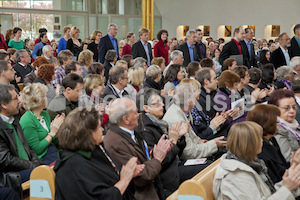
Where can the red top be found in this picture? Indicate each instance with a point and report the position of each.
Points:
(136, 88)
(238, 44)
(3, 44)
(126, 50)
(39, 40)
(161, 49)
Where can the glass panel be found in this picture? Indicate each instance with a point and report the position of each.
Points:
(92, 6)
(6, 21)
(78, 5)
(156, 11)
(122, 32)
(77, 21)
(24, 24)
(92, 24)
(42, 4)
(157, 25)
(42, 21)
(102, 25)
(134, 25)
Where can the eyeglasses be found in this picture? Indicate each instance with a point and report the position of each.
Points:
(157, 103)
(287, 108)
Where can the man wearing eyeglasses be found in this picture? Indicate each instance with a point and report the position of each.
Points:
(280, 56)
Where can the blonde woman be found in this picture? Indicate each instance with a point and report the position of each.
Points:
(85, 60)
(38, 129)
(135, 80)
(74, 44)
(94, 86)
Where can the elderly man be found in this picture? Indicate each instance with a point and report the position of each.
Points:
(179, 111)
(236, 48)
(48, 52)
(16, 157)
(280, 56)
(190, 52)
(123, 142)
(176, 58)
(108, 42)
(22, 67)
(295, 42)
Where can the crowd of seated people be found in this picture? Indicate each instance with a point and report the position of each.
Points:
(124, 120)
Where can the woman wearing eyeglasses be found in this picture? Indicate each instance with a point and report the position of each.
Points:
(288, 136)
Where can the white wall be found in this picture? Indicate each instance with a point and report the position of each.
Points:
(215, 13)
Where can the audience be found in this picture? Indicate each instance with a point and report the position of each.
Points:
(128, 46)
(7, 72)
(129, 59)
(16, 42)
(161, 49)
(62, 43)
(74, 44)
(110, 60)
(296, 89)
(284, 75)
(64, 57)
(94, 45)
(85, 60)
(96, 68)
(136, 77)
(173, 76)
(192, 69)
(29, 78)
(73, 67)
(229, 64)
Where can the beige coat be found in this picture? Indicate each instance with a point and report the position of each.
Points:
(236, 180)
(193, 149)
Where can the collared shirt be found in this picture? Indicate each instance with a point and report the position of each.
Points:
(286, 55)
(145, 45)
(238, 44)
(191, 51)
(22, 65)
(131, 132)
(118, 91)
(6, 119)
(249, 47)
(112, 65)
(298, 40)
(114, 43)
(59, 75)
(297, 100)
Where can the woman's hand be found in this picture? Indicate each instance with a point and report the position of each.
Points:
(56, 123)
(100, 108)
(128, 170)
(295, 157)
(291, 177)
(217, 120)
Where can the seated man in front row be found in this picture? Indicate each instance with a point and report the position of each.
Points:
(17, 159)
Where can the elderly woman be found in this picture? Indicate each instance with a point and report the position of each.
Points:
(240, 175)
(161, 48)
(85, 60)
(45, 76)
(84, 169)
(284, 76)
(153, 77)
(266, 117)
(74, 44)
(228, 93)
(179, 111)
(295, 64)
(288, 136)
(173, 76)
(94, 45)
(29, 78)
(135, 81)
(38, 129)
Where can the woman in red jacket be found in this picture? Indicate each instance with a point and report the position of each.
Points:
(161, 48)
(130, 42)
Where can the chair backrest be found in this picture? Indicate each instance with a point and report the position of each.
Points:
(42, 183)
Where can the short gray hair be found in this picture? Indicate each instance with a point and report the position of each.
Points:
(115, 73)
(295, 61)
(283, 72)
(175, 54)
(111, 25)
(153, 71)
(19, 54)
(46, 48)
(118, 109)
(139, 62)
(183, 93)
(281, 35)
(110, 55)
(189, 33)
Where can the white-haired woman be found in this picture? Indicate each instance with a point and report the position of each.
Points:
(36, 123)
(284, 76)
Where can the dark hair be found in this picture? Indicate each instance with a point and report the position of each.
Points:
(202, 75)
(40, 60)
(129, 35)
(227, 63)
(266, 117)
(255, 75)
(3, 65)
(296, 83)
(110, 55)
(5, 96)
(236, 30)
(240, 70)
(43, 30)
(262, 57)
(222, 39)
(192, 68)
(297, 26)
(214, 52)
(277, 95)
(247, 29)
(46, 72)
(143, 97)
(160, 33)
(16, 29)
(127, 58)
(71, 80)
(95, 68)
(116, 73)
(76, 133)
(71, 66)
(198, 29)
(172, 72)
(267, 73)
(228, 78)
(3, 54)
(42, 35)
(207, 62)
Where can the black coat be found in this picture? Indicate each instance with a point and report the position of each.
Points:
(107, 66)
(230, 49)
(273, 159)
(150, 83)
(169, 173)
(294, 49)
(105, 45)
(298, 113)
(84, 176)
(139, 51)
(210, 111)
(186, 54)
(110, 93)
(22, 71)
(252, 61)
(277, 58)
(95, 49)
(11, 164)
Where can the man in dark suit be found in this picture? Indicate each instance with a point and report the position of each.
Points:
(294, 50)
(235, 47)
(189, 49)
(280, 56)
(110, 61)
(108, 42)
(201, 48)
(22, 66)
(249, 47)
(142, 48)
